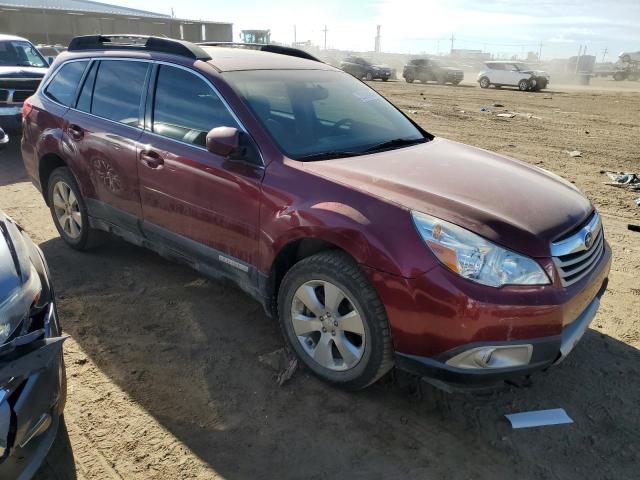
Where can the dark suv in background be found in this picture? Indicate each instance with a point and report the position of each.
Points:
(22, 67)
(427, 70)
(361, 68)
(340, 215)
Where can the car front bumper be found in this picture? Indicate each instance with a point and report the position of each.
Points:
(439, 315)
(32, 392)
(11, 117)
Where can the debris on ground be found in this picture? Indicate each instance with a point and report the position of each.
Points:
(539, 418)
(637, 201)
(506, 115)
(623, 180)
(497, 105)
(485, 109)
(633, 228)
(283, 362)
(574, 153)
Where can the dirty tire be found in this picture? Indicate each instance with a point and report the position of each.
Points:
(385, 79)
(368, 76)
(626, 58)
(342, 271)
(484, 82)
(88, 237)
(409, 78)
(523, 85)
(619, 76)
(455, 83)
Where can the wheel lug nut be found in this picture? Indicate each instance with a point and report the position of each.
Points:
(324, 329)
(335, 323)
(333, 332)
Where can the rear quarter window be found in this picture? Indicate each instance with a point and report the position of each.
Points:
(63, 86)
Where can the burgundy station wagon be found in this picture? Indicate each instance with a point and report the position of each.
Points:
(373, 242)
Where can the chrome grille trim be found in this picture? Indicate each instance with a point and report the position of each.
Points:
(572, 258)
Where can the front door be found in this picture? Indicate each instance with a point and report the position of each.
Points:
(104, 128)
(200, 203)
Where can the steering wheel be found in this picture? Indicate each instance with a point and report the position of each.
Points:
(343, 122)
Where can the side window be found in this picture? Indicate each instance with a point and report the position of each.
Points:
(62, 88)
(84, 100)
(118, 90)
(186, 108)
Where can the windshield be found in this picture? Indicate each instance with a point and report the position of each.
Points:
(20, 54)
(319, 114)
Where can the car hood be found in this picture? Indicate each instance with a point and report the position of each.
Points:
(19, 281)
(22, 72)
(508, 201)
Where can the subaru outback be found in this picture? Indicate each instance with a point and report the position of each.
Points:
(345, 219)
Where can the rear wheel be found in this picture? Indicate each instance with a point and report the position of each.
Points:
(523, 85)
(484, 82)
(69, 211)
(333, 319)
(409, 78)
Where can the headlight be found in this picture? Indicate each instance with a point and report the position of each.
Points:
(475, 257)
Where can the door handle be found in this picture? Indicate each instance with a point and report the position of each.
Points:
(151, 159)
(75, 132)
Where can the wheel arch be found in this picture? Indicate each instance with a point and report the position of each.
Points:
(47, 164)
(291, 253)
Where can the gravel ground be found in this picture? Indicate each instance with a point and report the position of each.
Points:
(165, 380)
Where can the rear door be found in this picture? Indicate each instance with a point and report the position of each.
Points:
(103, 129)
(197, 202)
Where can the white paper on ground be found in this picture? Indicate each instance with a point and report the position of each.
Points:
(539, 418)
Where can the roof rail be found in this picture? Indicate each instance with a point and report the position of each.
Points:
(138, 42)
(265, 47)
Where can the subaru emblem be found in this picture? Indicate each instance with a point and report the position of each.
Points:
(588, 240)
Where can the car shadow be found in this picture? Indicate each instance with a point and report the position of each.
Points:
(187, 350)
(59, 463)
(11, 163)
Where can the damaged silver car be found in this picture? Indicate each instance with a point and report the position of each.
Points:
(32, 374)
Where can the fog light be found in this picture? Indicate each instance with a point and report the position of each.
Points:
(499, 356)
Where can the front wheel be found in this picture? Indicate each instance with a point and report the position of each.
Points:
(69, 211)
(409, 78)
(334, 320)
(484, 82)
(523, 85)
(369, 76)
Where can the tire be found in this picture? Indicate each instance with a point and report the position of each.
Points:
(368, 77)
(626, 58)
(369, 352)
(385, 79)
(76, 231)
(409, 78)
(455, 83)
(619, 76)
(541, 84)
(524, 85)
(484, 82)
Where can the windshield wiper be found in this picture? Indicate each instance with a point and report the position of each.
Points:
(395, 143)
(327, 155)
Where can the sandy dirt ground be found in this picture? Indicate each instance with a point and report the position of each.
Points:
(165, 380)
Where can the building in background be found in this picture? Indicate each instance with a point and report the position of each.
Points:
(58, 21)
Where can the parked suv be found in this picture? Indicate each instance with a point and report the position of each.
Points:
(427, 70)
(361, 68)
(340, 215)
(21, 70)
(512, 74)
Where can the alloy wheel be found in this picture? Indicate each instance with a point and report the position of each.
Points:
(67, 209)
(328, 325)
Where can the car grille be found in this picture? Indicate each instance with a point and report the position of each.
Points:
(15, 96)
(4, 95)
(576, 255)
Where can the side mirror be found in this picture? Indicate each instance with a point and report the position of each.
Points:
(4, 139)
(223, 141)
(50, 60)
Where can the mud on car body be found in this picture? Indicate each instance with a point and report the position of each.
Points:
(344, 218)
(32, 375)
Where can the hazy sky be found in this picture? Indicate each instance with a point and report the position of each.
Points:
(500, 26)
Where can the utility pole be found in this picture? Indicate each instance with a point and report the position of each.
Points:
(438, 48)
(540, 53)
(295, 39)
(377, 47)
(452, 39)
(604, 54)
(325, 36)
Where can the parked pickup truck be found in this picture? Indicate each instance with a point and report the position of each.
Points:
(21, 70)
(426, 70)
